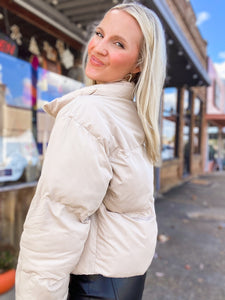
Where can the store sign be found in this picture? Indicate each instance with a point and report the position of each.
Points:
(7, 45)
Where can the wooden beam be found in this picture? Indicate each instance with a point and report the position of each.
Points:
(97, 8)
(40, 23)
(73, 4)
(86, 17)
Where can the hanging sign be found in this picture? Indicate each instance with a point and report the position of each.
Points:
(7, 45)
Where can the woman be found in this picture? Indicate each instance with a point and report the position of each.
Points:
(93, 215)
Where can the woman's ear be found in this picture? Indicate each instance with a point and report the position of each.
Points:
(136, 70)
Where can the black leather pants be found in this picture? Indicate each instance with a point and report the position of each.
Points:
(98, 287)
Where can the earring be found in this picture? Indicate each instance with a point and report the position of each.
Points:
(129, 77)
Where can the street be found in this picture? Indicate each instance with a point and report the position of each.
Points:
(190, 257)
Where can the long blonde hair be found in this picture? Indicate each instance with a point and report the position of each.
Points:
(149, 84)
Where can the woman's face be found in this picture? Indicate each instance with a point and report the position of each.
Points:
(114, 49)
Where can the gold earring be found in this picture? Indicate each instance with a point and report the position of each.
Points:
(130, 75)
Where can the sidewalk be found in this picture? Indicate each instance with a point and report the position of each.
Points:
(10, 295)
(190, 257)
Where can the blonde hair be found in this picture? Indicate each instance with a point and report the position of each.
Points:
(150, 80)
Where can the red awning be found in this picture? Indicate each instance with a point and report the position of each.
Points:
(216, 119)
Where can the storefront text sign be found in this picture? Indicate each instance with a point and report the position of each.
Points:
(7, 45)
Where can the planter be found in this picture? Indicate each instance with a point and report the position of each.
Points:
(7, 281)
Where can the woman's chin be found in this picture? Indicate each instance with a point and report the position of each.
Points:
(94, 79)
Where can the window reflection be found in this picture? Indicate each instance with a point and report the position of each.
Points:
(51, 85)
(16, 75)
(20, 152)
(169, 123)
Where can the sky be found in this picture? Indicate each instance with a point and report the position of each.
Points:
(210, 16)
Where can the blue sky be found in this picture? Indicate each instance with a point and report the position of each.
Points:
(211, 23)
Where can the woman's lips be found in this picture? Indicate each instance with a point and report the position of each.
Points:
(95, 61)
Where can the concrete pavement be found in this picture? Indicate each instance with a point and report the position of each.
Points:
(10, 295)
(190, 257)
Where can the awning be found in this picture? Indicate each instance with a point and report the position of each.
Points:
(184, 65)
(216, 119)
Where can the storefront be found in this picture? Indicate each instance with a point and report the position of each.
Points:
(38, 63)
(36, 66)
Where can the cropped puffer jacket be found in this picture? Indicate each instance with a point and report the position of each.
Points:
(93, 210)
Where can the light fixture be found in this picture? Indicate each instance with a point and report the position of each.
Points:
(180, 52)
(170, 42)
(195, 76)
(54, 2)
(188, 67)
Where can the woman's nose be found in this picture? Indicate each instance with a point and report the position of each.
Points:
(101, 48)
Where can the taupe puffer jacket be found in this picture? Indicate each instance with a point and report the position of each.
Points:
(93, 210)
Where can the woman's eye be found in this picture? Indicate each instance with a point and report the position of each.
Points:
(120, 45)
(99, 34)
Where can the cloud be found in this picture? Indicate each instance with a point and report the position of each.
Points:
(222, 55)
(202, 17)
(220, 68)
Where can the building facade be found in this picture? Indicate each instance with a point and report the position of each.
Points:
(184, 99)
(215, 122)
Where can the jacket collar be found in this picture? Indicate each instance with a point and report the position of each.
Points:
(122, 89)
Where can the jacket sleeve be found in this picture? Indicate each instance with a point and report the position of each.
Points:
(73, 183)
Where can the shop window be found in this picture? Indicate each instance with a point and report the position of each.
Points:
(51, 85)
(20, 149)
(169, 123)
(197, 125)
(19, 158)
(15, 74)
